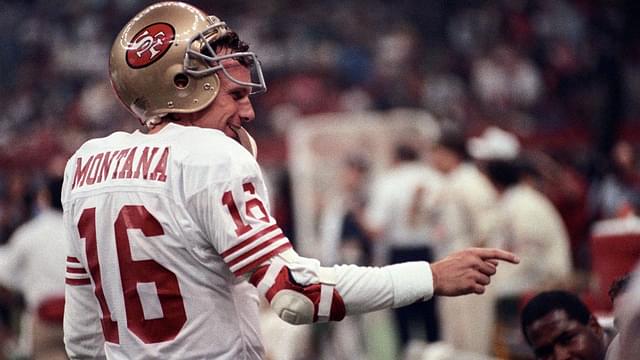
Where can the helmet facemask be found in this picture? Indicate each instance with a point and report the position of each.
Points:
(205, 60)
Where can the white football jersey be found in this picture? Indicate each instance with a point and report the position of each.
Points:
(161, 229)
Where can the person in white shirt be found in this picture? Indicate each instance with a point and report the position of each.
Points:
(616, 293)
(32, 263)
(169, 231)
(471, 200)
(526, 221)
(403, 217)
(627, 313)
(528, 224)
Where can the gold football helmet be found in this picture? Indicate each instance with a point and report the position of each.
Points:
(163, 62)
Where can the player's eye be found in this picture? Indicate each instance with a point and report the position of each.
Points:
(238, 94)
(566, 338)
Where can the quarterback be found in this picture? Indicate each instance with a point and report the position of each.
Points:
(169, 233)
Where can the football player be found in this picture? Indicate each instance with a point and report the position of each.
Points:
(169, 230)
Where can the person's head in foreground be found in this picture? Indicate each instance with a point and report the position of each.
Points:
(194, 71)
(558, 325)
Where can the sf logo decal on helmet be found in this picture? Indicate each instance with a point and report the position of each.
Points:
(149, 45)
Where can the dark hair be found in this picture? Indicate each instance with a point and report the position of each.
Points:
(548, 301)
(503, 173)
(230, 40)
(618, 286)
(455, 141)
(404, 152)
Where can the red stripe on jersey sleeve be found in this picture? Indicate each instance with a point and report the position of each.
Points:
(249, 240)
(76, 270)
(76, 282)
(72, 259)
(259, 247)
(254, 264)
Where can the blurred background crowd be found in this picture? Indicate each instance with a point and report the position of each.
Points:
(557, 83)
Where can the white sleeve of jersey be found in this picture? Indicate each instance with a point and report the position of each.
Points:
(83, 336)
(234, 213)
(366, 289)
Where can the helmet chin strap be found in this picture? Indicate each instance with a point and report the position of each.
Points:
(152, 122)
(247, 140)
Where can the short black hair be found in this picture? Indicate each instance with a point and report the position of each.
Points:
(548, 301)
(503, 173)
(455, 141)
(230, 40)
(618, 286)
(406, 152)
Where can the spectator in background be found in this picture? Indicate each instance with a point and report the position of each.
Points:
(32, 263)
(470, 199)
(527, 223)
(397, 80)
(401, 215)
(558, 325)
(567, 189)
(343, 231)
(506, 80)
(616, 291)
(345, 239)
(467, 187)
(618, 191)
(627, 310)
(15, 204)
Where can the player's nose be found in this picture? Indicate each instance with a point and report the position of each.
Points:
(245, 110)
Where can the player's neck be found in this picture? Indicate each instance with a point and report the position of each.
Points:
(157, 128)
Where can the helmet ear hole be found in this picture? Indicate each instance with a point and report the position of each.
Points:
(181, 81)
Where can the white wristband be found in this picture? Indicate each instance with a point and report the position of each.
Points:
(412, 281)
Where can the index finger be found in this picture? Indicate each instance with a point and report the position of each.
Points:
(497, 254)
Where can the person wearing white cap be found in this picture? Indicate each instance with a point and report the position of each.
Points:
(528, 223)
(494, 144)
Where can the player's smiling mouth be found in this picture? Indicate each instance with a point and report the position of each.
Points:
(243, 137)
(235, 130)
